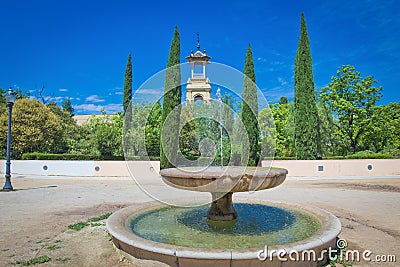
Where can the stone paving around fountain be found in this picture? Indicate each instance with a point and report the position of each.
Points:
(34, 218)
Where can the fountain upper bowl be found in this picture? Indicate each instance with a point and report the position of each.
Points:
(223, 179)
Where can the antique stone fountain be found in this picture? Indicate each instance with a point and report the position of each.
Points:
(219, 235)
(222, 182)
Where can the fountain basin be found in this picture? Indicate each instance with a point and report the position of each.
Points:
(119, 225)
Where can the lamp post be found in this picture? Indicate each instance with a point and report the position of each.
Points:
(10, 98)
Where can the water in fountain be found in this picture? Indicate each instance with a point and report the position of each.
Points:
(258, 225)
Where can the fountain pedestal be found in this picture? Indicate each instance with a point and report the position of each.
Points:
(222, 208)
(222, 182)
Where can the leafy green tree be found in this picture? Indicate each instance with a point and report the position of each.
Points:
(171, 106)
(142, 132)
(34, 128)
(228, 112)
(250, 111)
(305, 107)
(382, 135)
(352, 100)
(83, 141)
(128, 83)
(67, 106)
(107, 131)
(66, 124)
(282, 114)
(19, 95)
(188, 143)
(135, 130)
(153, 130)
(327, 129)
(268, 133)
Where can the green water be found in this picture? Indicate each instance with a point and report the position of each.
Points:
(257, 226)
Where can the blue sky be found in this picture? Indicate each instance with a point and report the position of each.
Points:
(78, 49)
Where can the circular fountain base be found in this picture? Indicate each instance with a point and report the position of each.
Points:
(119, 226)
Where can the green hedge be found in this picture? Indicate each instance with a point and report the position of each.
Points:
(352, 156)
(152, 158)
(369, 156)
(47, 156)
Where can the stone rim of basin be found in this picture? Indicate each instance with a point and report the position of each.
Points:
(223, 179)
(124, 239)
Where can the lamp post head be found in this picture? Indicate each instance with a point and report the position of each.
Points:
(10, 96)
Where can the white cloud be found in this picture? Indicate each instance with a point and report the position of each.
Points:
(261, 59)
(94, 98)
(119, 93)
(112, 108)
(63, 90)
(274, 94)
(92, 108)
(282, 81)
(87, 107)
(54, 98)
(57, 99)
(149, 91)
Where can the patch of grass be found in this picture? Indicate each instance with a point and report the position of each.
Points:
(93, 222)
(35, 249)
(78, 226)
(340, 260)
(63, 259)
(58, 241)
(100, 218)
(349, 227)
(53, 247)
(37, 260)
(39, 242)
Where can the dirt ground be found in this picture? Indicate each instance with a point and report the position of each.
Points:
(34, 219)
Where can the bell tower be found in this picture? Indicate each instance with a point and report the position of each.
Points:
(198, 85)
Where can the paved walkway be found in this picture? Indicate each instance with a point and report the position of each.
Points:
(368, 207)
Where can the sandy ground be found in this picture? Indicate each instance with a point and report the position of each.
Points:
(34, 219)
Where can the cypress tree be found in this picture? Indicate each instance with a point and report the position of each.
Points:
(283, 100)
(250, 111)
(171, 106)
(305, 107)
(67, 106)
(127, 84)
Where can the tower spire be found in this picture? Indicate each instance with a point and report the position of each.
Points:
(198, 41)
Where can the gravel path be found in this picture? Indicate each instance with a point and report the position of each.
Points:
(34, 219)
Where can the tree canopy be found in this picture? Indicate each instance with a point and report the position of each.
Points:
(352, 100)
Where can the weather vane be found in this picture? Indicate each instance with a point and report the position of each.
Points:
(198, 41)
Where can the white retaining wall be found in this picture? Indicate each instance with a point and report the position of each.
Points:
(150, 169)
(332, 168)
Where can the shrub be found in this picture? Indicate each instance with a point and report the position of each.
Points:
(334, 157)
(47, 156)
(369, 156)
